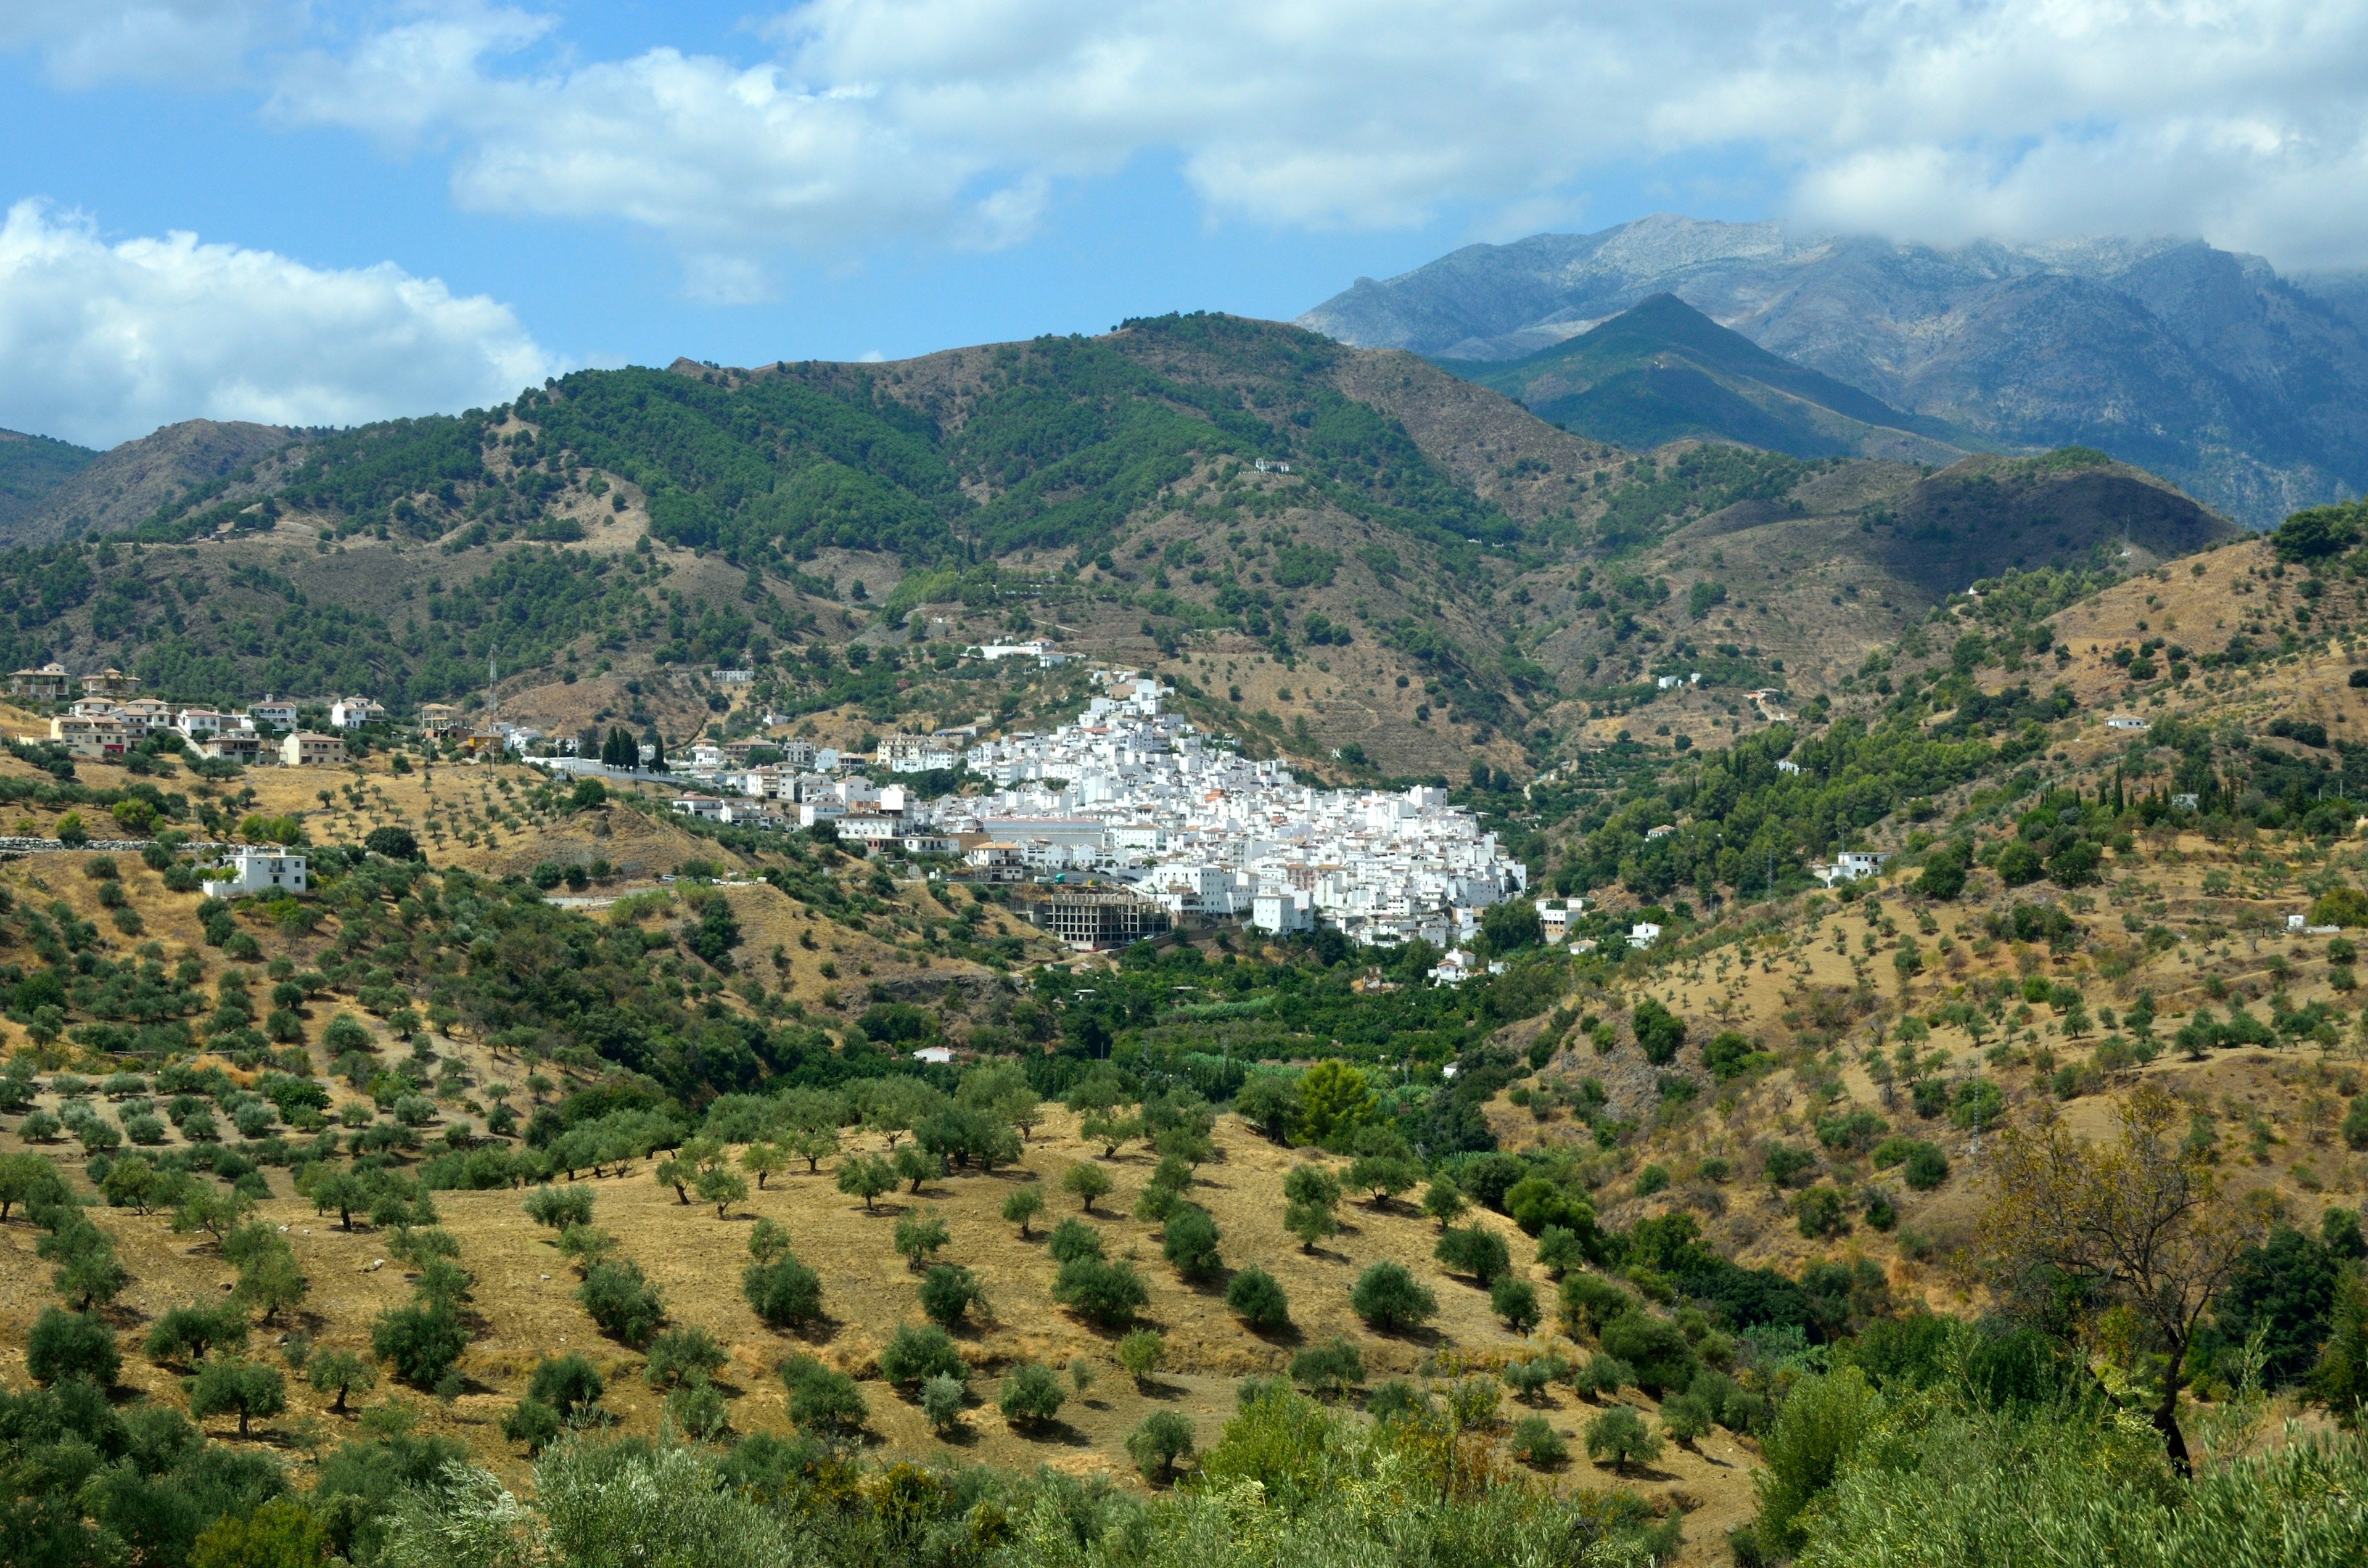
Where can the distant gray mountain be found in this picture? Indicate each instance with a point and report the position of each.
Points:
(2247, 388)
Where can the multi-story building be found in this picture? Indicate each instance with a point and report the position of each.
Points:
(303, 749)
(249, 870)
(50, 683)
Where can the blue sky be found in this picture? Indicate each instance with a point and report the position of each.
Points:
(399, 207)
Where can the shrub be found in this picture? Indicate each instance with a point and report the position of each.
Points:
(1536, 1443)
(1140, 1353)
(1620, 1435)
(1659, 1350)
(920, 1236)
(1100, 1292)
(1443, 1200)
(1659, 1032)
(1528, 1379)
(949, 1293)
(1397, 1400)
(1814, 1434)
(246, 1389)
(1820, 1213)
(942, 1399)
(1535, 1202)
(1190, 1243)
(1788, 1166)
(1021, 1207)
(620, 1298)
(1475, 1250)
(1256, 1298)
(698, 1411)
(1515, 1300)
(1926, 1168)
(1162, 1438)
(1072, 1239)
(340, 1372)
(784, 1292)
(1387, 1297)
(419, 1342)
(1685, 1419)
(1085, 1182)
(560, 1207)
(682, 1356)
(282, 1533)
(569, 1384)
(1602, 1376)
(1560, 1251)
(865, 1177)
(189, 1334)
(66, 1345)
(1589, 1301)
(824, 1402)
(1333, 1368)
(1031, 1397)
(916, 1353)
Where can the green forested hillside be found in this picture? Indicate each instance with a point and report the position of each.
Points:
(31, 467)
(1663, 371)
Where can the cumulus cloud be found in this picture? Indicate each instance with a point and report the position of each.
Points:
(101, 342)
(861, 121)
(84, 42)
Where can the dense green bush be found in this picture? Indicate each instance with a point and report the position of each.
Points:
(1100, 1292)
(1256, 1298)
(1162, 1439)
(916, 1354)
(66, 1345)
(1031, 1396)
(620, 1298)
(1389, 1298)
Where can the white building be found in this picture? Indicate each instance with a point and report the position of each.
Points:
(1282, 909)
(197, 723)
(1643, 934)
(2125, 722)
(918, 753)
(258, 871)
(276, 713)
(353, 712)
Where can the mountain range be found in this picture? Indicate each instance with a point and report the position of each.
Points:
(2247, 388)
(1662, 372)
(1326, 550)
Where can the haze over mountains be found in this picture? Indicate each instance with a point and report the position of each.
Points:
(2247, 387)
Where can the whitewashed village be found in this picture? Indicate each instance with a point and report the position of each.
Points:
(1124, 824)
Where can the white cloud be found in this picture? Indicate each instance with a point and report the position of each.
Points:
(953, 121)
(100, 342)
(84, 42)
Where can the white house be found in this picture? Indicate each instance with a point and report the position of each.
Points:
(258, 871)
(918, 753)
(1786, 764)
(2125, 722)
(820, 809)
(353, 712)
(706, 808)
(197, 723)
(1554, 916)
(1643, 934)
(144, 715)
(1282, 909)
(276, 712)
